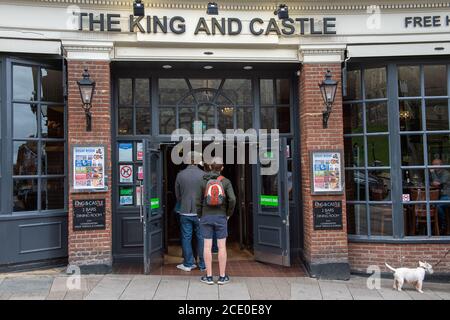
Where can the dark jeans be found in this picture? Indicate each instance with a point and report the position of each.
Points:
(190, 226)
(441, 212)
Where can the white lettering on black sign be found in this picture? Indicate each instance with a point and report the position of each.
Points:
(88, 214)
(327, 215)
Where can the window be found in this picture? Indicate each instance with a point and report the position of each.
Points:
(397, 149)
(368, 167)
(38, 132)
(275, 104)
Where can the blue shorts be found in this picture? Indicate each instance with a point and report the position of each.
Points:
(214, 223)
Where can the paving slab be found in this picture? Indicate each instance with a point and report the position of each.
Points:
(255, 288)
(445, 295)
(109, 288)
(21, 296)
(201, 291)
(57, 295)
(360, 292)
(334, 290)
(270, 288)
(141, 288)
(391, 294)
(236, 289)
(305, 290)
(426, 295)
(172, 289)
(26, 285)
(75, 295)
(284, 287)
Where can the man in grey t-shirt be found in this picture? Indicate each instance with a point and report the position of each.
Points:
(440, 178)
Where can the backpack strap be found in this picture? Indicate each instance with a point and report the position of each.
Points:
(220, 178)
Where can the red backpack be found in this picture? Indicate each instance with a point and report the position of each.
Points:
(214, 192)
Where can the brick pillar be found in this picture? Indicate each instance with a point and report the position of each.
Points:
(92, 249)
(325, 251)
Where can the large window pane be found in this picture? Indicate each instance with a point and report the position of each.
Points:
(354, 151)
(51, 85)
(186, 117)
(284, 119)
(379, 185)
(375, 83)
(437, 114)
(435, 80)
(52, 121)
(378, 151)
(439, 148)
(267, 118)
(355, 182)
(353, 118)
(125, 121)
(409, 81)
(377, 117)
(244, 118)
(357, 219)
(353, 85)
(172, 90)
(412, 150)
(52, 157)
(225, 120)
(25, 158)
(206, 114)
(283, 91)
(25, 82)
(381, 220)
(52, 194)
(239, 91)
(205, 83)
(266, 89)
(410, 115)
(25, 120)
(125, 92)
(142, 92)
(25, 193)
(167, 121)
(143, 121)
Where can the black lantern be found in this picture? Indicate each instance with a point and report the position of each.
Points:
(212, 9)
(282, 12)
(87, 86)
(328, 88)
(138, 8)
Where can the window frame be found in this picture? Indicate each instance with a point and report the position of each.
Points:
(394, 134)
(8, 140)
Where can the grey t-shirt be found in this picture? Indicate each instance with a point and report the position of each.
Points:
(443, 177)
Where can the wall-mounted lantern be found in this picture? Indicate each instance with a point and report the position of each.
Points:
(328, 88)
(212, 8)
(138, 8)
(87, 86)
(282, 12)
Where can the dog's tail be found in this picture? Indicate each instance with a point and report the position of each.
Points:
(389, 267)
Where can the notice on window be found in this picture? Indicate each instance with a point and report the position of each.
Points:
(126, 196)
(88, 168)
(126, 151)
(139, 195)
(139, 151)
(126, 173)
(327, 172)
(141, 173)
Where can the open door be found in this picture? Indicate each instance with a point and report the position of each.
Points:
(151, 208)
(271, 208)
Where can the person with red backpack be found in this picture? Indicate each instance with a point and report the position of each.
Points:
(215, 205)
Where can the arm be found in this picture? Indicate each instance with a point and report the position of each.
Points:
(231, 199)
(177, 189)
(199, 200)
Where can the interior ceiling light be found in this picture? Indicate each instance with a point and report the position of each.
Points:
(207, 67)
(248, 68)
(167, 66)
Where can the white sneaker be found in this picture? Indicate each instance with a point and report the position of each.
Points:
(184, 268)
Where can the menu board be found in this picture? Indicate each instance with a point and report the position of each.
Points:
(89, 214)
(89, 168)
(327, 172)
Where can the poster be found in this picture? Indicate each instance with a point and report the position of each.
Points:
(126, 196)
(140, 173)
(139, 151)
(126, 173)
(88, 168)
(126, 151)
(139, 190)
(327, 172)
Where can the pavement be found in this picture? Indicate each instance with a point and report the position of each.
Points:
(56, 285)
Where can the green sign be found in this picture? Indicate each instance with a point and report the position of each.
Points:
(268, 155)
(268, 201)
(127, 191)
(154, 203)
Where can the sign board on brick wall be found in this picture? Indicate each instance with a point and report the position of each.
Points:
(327, 172)
(89, 214)
(88, 168)
(327, 215)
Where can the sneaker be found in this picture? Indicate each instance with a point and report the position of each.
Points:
(184, 268)
(223, 280)
(207, 280)
(193, 266)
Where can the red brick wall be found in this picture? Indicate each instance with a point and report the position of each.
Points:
(361, 255)
(320, 246)
(90, 247)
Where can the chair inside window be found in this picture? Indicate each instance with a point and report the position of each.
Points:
(420, 211)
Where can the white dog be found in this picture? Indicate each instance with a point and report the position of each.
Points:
(412, 276)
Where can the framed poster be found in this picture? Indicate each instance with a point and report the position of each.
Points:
(327, 172)
(88, 170)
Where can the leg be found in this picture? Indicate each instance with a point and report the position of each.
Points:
(199, 237)
(222, 256)
(215, 248)
(419, 286)
(207, 255)
(399, 284)
(186, 241)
